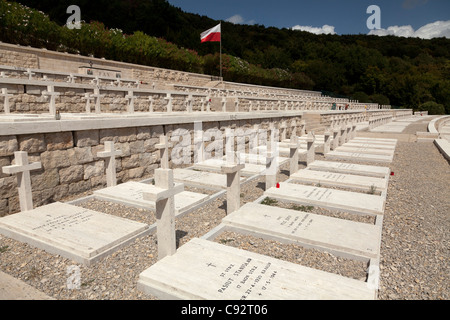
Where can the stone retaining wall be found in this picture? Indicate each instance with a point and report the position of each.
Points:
(70, 165)
(28, 57)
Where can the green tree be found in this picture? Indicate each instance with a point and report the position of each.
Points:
(432, 107)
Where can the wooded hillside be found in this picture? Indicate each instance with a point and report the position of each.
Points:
(403, 72)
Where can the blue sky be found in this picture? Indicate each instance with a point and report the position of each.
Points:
(398, 17)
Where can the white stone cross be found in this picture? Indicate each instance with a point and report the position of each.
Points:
(163, 194)
(22, 168)
(151, 100)
(283, 129)
(327, 141)
(169, 102)
(293, 154)
(29, 73)
(130, 104)
(229, 146)
(3, 75)
(303, 128)
(95, 81)
(353, 133)
(236, 105)
(208, 104)
(163, 147)
(336, 138)
(88, 98)
(202, 104)
(6, 97)
(293, 127)
(71, 78)
(189, 100)
(50, 92)
(224, 104)
(233, 172)
(97, 97)
(199, 142)
(343, 135)
(271, 170)
(311, 148)
(110, 158)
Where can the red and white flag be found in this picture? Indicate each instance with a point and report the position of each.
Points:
(212, 34)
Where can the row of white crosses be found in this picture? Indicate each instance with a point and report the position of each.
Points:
(165, 189)
(22, 169)
(261, 104)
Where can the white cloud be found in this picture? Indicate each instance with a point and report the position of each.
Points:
(432, 30)
(238, 19)
(325, 29)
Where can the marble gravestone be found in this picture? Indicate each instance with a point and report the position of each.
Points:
(365, 150)
(82, 235)
(347, 238)
(201, 179)
(353, 202)
(203, 269)
(350, 168)
(334, 179)
(216, 164)
(355, 156)
(131, 193)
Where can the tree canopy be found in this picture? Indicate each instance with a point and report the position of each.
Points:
(403, 72)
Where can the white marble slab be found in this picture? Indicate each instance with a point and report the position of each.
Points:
(327, 233)
(72, 232)
(131, 193)
(215, 165)
(255, 158)
(282, 151)
(350, 168)
(334, 179)
(201, 178)
(329, 198)
(367, 150)
(354, 144)
(376, 140)
(356, 156)
(202, 269)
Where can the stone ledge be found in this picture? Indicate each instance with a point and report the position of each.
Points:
(444, 147)
(125, 121)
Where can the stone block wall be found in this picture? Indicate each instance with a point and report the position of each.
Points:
(70, 166)
(18, 59)
(28, 99)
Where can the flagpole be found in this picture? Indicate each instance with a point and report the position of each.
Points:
(221, 51)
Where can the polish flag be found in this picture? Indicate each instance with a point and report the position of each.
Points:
(212, 34)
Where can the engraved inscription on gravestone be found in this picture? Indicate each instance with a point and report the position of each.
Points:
(248, 277)
(62, 222)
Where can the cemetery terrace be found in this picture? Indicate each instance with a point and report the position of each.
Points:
(174, 173)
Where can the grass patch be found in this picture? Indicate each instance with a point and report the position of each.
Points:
(302, 208)
(269, 201)
(225, 241)
(372, 189)
(4, 249)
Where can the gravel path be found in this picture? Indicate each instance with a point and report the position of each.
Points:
(414, 249)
